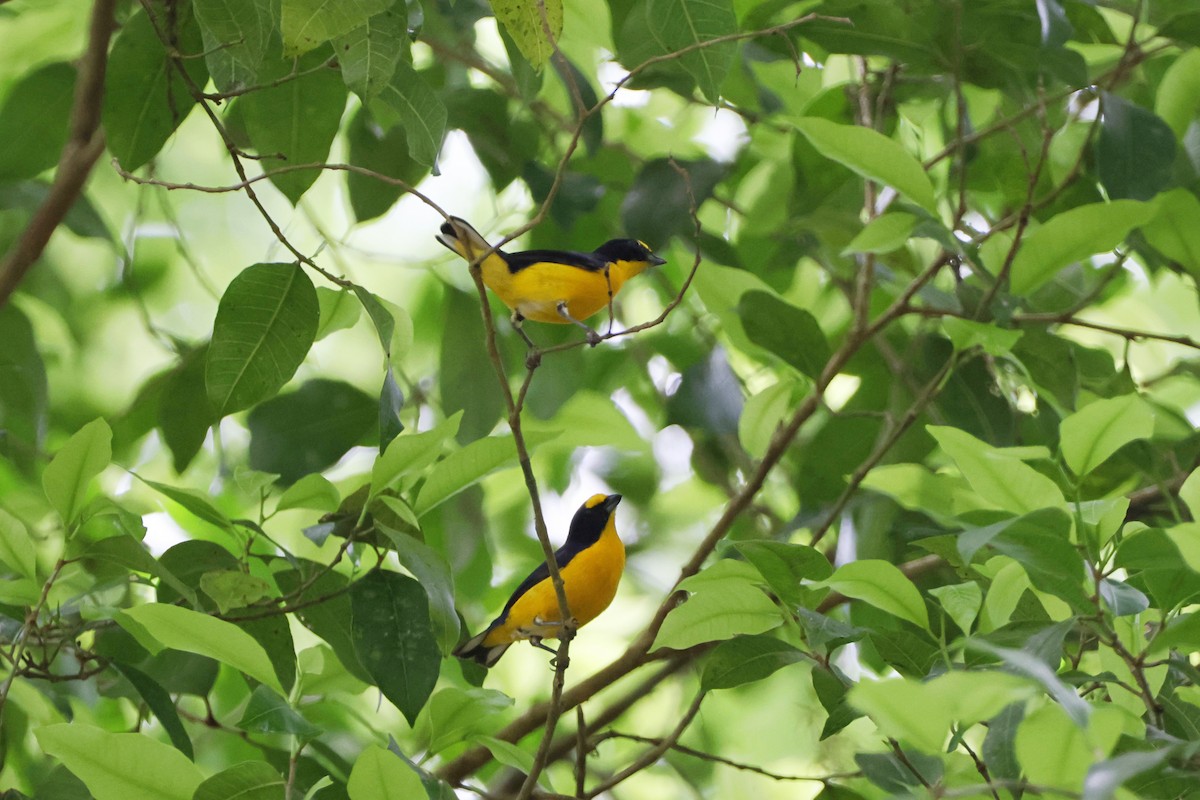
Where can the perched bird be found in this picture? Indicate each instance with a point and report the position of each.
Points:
(590, 563)
(551, 285)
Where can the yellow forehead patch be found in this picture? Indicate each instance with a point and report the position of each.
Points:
(595, 500)
(643, 244)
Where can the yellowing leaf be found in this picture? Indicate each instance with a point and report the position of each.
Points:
(525, 23)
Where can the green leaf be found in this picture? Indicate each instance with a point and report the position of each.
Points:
(745, 659)
(1172, 230)
(381, 317)
(369, 53)
(16, 547)
(329, 619)
(1183, 634)
(185, 413)
(1096, 431)
(1074, 708)
(193, 632)
(249, 780)
(267, 712)
(312, 491)
(525, 23)
(303, 432)
(993, 340)
(145, 99)
(34, 121)
(1178, 98)
(468, 466)
(507, 753)
(383, 151)
(233, 588)
(394, 640)
(305, 24)
(69, 474)
(339, 311)
(431, 570)
(265, 325)
(121, 766)
(236, 34)
(784, 565)
(198, 504)
(999, 478)
(1052, 750)
(295, 122)
(1072, 236)
(915, 487)
(1104, 778)
(454, 715)
(380, 775)
(786, 331)
(410, 453)
(23, 392)
(410, 102)
(679, 24)
(883, 234)
(1135, 150)
(871, 155)
(1189, 493)
(160, 702)
(658, 205)
(882, 585)
(718, 610)
(762, 415)
(961, 601)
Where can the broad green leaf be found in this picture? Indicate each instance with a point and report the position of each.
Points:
(1103, 779)
(23, 390)
(1052, 750)
(274, 633)
(882, 585)
(1183, 634)
(193, 632)
(785, 330)
(658, 204)
(233, 588)
(16, 547)
(762, 415)
(265, 324)
(718, 610)
(380, 316)
(507, 753)
(1172, 231)
(236, 34)
(295, 122)
(330, 619)
(454, 714)
(589, 419)
(368, 54)
(745, 659)
(915, 487)
(312, 491)
(267, 712)
(680, 24)
(784, 565)
(394, 640)
(382, 151)
(1096, 431)
(121, 766)
(69, 474)
(1178, 98)
(411, 452)
(993, 340)
(468, 466)
(304, 24)
(339, 311)
(431, 570)
(145, 99)
(883, 234)
(192, 500)
(249, 780)
(380, 775)
(961, 601)
(303, 432)
(525, 23)
(1189, 493)
(1071, 705)
(185, 412)
(160, 702)
(410, 102)
(1072, 236)
(34, 121)
(871, 155)
(1007, 482)
(1135, 150)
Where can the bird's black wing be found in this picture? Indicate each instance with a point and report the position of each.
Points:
(585, 261)
(562, 557)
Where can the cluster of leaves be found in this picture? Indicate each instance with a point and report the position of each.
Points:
(926, 350)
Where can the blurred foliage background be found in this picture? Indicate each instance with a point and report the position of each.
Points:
(904, 427)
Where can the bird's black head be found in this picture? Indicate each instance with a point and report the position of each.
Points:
(628, 250)
(589, 521)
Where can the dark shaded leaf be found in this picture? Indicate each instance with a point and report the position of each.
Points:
(745, 659)
(185, 413)
(1135, 150)
(23, 392)
(391, 400)
(789, 332)
(466, 378)
(267, 712)
(236, 34)
(658, 205)
(410, 102)
(329, 618)
(34, 121)
(368, 54)
(709, 396)
(159, 702)
(384, 152)
(275, 636)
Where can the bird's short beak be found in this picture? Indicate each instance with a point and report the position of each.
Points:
(611, 502)
(656, 260)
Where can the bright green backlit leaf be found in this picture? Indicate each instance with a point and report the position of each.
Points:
(1178, 99)
(305, 24)
(468, 466)
(718, 610)
(1052, 750)
(380, 775)
(883, 234)
(1099, 429)
(1007, 482)
(677, 24)
(411, 452)
(232, 589)
(121, 766)
(965, 334)
(454, 714)
(1173, 230)
(16, 547)
(761, 416)
(961, 601)
(368, 54)
(312, 491)
(525, 23)
(882, 585)
(410, 102)
(70, 473)
(249, 780)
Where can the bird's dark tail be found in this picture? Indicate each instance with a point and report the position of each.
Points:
(475, 650)
(458, 235)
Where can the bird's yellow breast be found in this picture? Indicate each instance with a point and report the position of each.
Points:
(590, 582)
(536, 290)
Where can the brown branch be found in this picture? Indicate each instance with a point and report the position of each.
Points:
(653, 753)
(84, 146)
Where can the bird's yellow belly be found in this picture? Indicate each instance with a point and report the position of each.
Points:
(590, 581)
(536, 291)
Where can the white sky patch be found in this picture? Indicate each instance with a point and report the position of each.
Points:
(162, 532)
(610, 73)
(840, 390)
(673, 451)
(723, 135)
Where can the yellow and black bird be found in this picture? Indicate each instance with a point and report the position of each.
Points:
(590, 563)
(551, 285)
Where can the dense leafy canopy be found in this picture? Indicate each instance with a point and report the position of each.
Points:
(904, 426)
